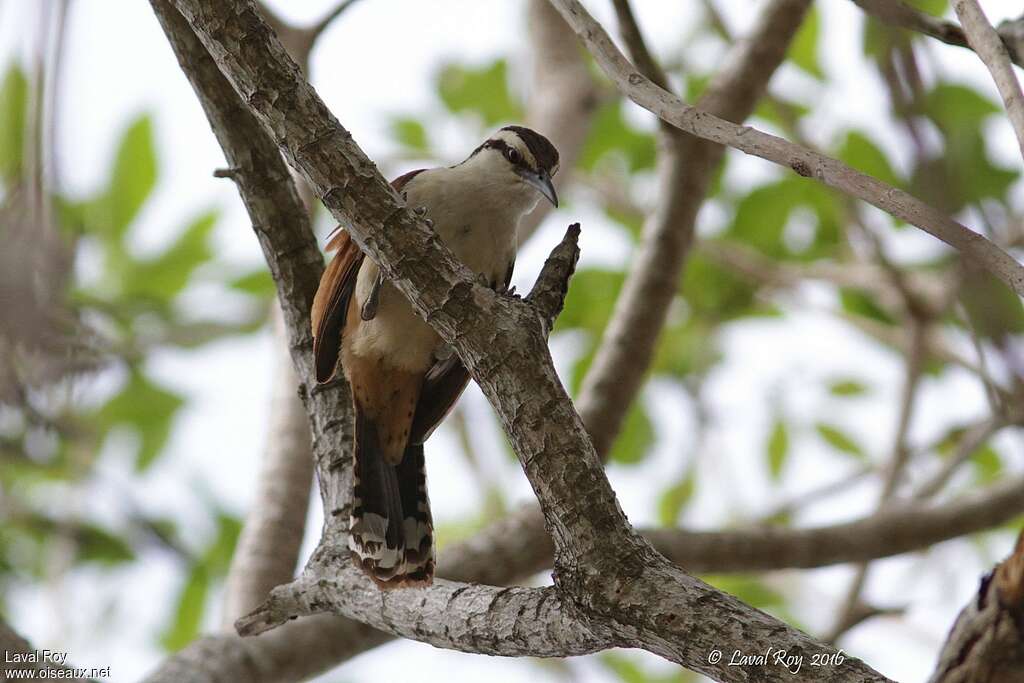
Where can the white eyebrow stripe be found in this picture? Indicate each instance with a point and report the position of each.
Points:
(514, 141)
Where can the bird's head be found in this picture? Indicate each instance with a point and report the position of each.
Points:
(521, 156)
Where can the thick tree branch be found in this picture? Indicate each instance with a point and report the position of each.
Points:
(990, 48)
(803, 161)
(511, 622)
(986, 644)
(603, 569)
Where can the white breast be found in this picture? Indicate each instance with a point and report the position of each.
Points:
(476, 214)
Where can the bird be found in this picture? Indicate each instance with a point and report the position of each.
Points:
(404, 379)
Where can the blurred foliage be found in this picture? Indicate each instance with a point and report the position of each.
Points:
(52, 437)
(211, 564)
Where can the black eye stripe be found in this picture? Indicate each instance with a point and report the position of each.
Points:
(506, 150)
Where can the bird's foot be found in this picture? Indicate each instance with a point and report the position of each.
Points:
(421, 213)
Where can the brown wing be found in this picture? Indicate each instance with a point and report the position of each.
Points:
(330, 305)
(442, 386)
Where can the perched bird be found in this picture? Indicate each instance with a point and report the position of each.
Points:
(404, 379)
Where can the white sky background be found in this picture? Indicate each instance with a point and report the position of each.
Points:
(380, 59)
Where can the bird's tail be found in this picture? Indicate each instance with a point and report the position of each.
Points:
(391, 535)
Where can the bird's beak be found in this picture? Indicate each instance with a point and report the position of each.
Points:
(542, 181)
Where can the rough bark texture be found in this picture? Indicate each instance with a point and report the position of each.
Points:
(986, 644)
(803, 161)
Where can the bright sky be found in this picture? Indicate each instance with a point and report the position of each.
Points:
(378, 60)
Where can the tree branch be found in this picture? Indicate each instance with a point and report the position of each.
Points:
(511, 622)
(899, 13)
(990, 48)
(986, 644)
(895, 530)
(803, 161)
(603, 569)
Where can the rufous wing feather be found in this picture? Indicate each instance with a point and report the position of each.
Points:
(330, 304)
(337, 284)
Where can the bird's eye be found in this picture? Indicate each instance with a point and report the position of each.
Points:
(513, 155)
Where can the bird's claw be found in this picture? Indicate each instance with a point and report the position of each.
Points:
(421, 213)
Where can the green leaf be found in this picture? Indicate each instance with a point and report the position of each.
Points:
(630, 670)
(847, 387)
(804, 50)
(777, 448)
(685, 349)
(635, 438)
(934, 7)
(410, 133)
(761, 218)
(146, 408)
(162, 277)
(715, 292)
(988, 465)
(218, 554)
(13, 115)
(957, 107)
(257, 283)
(963, 174)
(675, 498)
(627, 670)
(762, 215)
(98, 545)
(184, 626)
(992, 308)
(483, 90)
(839, 440)
(862, 154)
(611, 135)
(633, 222)
(591, 299)
(861, 302)
(132, 180)
(779, 112)
(749, 589)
